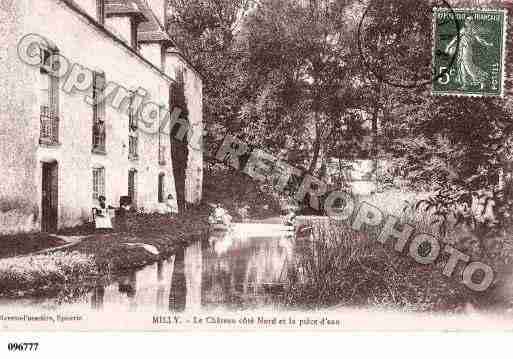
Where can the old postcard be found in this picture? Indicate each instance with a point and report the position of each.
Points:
(256, 165)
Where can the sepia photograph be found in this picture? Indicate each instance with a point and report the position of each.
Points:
(256, 165)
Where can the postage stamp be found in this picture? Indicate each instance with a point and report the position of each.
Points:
(469, 52)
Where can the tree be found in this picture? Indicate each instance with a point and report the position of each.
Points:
(179, 147)
(299, 70)
(205, 32)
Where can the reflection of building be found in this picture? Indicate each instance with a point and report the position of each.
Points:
(244, 272)
(97, 297)
(178, 290)
(59, 153)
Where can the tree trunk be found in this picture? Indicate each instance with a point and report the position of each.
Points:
(375, 133)
(316, 153)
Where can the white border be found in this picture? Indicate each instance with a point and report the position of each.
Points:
(258, 346)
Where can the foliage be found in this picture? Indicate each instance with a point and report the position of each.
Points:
(299, 80)
(31, 275)
(205, 32)
(338, 266)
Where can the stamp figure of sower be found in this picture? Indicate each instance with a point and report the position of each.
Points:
(467, 72)
(470, 63)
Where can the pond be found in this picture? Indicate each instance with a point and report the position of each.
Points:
(236, 270)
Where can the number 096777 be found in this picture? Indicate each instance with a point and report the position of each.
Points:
(22, 347)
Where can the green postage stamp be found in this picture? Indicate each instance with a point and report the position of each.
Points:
(469, 52)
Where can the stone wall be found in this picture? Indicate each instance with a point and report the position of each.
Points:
(80, 42)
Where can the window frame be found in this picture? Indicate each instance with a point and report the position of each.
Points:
(100, 11)
(99, 178)
(133, 146)
(134, 40)
(161, 188)
(162, 149)
(134, 173)
(49, 113)
(133, 131)
(99, 130)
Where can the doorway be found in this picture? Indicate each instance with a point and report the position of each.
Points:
(49, 200)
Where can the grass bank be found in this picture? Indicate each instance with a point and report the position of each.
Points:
(45, 274)
(17, 245)
(69, 271)
(337, 266)
(99, 255)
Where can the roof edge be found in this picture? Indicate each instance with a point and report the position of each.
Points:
(78, 9)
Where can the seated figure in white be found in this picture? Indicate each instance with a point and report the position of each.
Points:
(220, 216)
(102, 217)
(171, 205)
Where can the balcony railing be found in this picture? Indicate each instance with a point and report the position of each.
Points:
(49, 133)
(162, 155)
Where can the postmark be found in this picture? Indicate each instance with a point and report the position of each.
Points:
(396, 44)
(469, 61)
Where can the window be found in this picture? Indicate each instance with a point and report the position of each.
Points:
(162, 155)
(49, 110)
(133, 136)
(162, 148)
(98, 112)
(133, 121)
(133, 142)
(163, 50)
(132, 186)
(162, 188)
(133, 36)
(98, 182)
(100, 11)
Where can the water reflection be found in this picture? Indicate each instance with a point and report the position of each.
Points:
(233, 270)
(230, 270)
(161, 285)
(178, 291)
(97, 297)
(243, 271)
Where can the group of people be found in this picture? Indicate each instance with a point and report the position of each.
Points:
(102, 213)
(221, 216)
(103, 218)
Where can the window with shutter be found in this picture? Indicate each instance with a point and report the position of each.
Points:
(162, 148)
(132, 186)
(98, 182)
(49, 98)
(133, 136)
(162, 188)
(99, 135)
(133, 144)
(133, 121)
(100, 11)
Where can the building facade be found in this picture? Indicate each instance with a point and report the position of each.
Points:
(87, 119)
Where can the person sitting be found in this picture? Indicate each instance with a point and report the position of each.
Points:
(171, 205)
(220, 216)
(101, 215)
(290, 218)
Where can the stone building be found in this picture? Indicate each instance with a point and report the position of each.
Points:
(85, 88)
